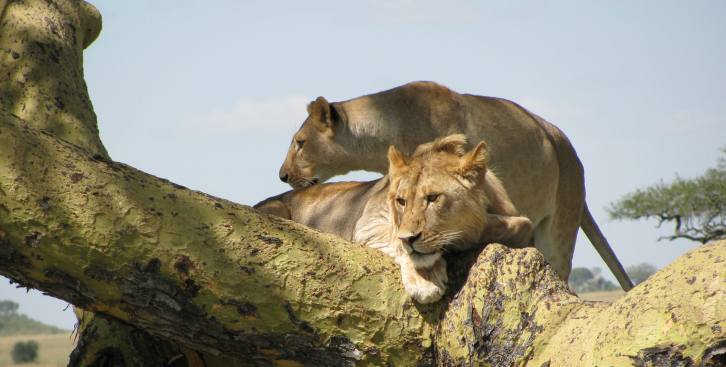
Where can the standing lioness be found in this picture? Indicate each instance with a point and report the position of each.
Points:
(534, 159)
(435, 201)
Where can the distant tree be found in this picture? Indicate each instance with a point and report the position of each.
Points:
(25, 352)
(8, 308)
(639, 273)
(14, 323)
(602, 284)
(579, 277)
(589, 280)
(697, 206)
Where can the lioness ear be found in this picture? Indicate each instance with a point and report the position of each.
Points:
(324, 114)
(474, 163)
(396, 160)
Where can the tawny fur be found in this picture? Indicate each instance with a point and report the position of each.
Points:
(534, 159)
(448, 195)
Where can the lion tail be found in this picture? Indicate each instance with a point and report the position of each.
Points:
(603, 248)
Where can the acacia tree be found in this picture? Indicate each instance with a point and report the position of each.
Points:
(589, 280)
(579, 277)
(177, 277)
(697, 207)
(8, 308)
(640, 272)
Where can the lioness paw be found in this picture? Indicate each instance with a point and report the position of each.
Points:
(424, 285)
(424, 291)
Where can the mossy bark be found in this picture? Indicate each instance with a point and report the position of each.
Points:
(188, 279)
(41, 67)
(513, 311)
(111, 239)
(41, 81)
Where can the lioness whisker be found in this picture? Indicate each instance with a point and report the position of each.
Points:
(440, 240)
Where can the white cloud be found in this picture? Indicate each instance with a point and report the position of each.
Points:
(246, 115)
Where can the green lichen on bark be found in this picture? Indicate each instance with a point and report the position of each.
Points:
(512, 311)
(129, 243)
(115, 240)
(41, 67)
(681, 307)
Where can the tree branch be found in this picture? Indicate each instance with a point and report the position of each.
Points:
(111, 239)
(218, 277)
(684, 236)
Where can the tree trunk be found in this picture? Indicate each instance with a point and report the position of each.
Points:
(41, 81)
(190, 279)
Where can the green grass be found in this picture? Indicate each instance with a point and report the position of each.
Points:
(53, 350)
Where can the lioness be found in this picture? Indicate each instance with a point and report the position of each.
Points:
(534, 159)
(435, 201)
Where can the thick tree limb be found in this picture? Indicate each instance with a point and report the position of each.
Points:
(41, 64)
(154, 248)
(41, 60)
(201, 273)
(218, 277)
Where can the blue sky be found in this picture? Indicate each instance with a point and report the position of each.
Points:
(208, 94)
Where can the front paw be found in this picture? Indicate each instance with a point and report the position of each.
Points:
(424, 285)
(423, 291)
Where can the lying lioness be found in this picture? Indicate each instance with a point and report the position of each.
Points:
(434, 201)
(533, 159)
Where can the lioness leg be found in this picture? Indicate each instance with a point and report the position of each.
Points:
(555, 235)
(557, 243)
(274, 207)
(508, 230)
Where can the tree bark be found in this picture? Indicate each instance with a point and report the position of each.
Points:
(111, 239)
(41, 81)
(180, 272)
(41, 67)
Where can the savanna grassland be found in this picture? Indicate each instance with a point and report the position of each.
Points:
(53, 350)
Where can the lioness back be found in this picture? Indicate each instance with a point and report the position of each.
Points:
(356, 134)
(329, 207)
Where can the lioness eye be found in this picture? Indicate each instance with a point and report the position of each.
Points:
(432, 197)
(300, 143)
(401, 201)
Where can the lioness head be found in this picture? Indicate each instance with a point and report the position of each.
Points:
(437, 196)
(313, 147)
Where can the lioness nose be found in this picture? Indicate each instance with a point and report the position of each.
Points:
(283, 178)
(409, 239)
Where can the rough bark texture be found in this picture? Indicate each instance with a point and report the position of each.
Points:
(176, 271)
(111, 239)
(513, 311)
(41, 67)
(41, 81)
